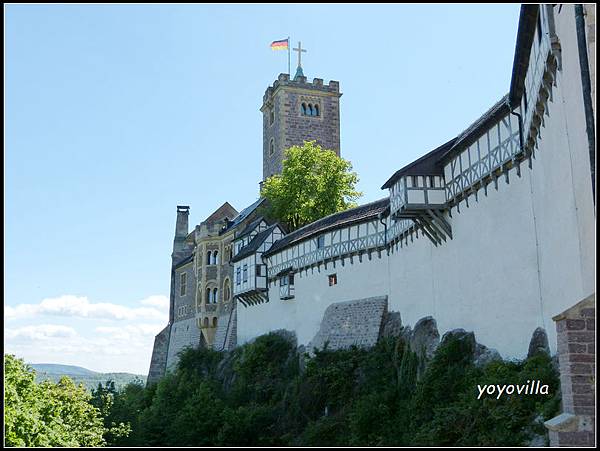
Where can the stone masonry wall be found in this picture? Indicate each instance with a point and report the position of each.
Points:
(357, 322)
(226, 330)
(290, 127)
(576, 329)
(158, 363)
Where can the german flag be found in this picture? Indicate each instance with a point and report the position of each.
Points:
(279, 45)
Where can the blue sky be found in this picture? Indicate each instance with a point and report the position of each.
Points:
(115, 114)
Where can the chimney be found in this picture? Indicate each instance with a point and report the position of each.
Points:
(181, 228)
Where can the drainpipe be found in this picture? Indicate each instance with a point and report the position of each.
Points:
(381, 221)
(587, 92)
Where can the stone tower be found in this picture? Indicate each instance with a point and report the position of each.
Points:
(295, 111)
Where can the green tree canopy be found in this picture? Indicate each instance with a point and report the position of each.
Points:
(47, 414)
(314, 183)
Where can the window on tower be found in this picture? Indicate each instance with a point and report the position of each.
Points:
(309, 109)
(272, 147)
(271, 117)
(182, 284)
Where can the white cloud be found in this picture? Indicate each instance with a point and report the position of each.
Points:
(101, 336)
(80, 306)
(158, 301)
(41, 332)
(131, 331)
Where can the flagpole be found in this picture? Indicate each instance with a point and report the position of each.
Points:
(289, 63)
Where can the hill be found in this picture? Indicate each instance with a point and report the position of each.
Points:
(90, 379)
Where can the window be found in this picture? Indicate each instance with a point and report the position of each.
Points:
(208, 257)
(286, 287)
(271, 146)
(215, 321)
(332, 279)
(215, 295)
(226, 290)
(215, 258)
(245, 273)
(321, 242)
(258, 270)
(205, 322)
(182, 283)
(238, 276)
(208, 296)
(271, 117)
(309, 109)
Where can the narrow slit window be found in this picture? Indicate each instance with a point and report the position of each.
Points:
(182, 284)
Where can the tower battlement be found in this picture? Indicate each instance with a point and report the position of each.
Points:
(301, 83)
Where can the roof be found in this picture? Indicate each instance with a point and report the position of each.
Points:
(332, 221)
(250, 227)
(477, 128)
(525, 34)
(254, 244)
(428, 164)
(225, 210)
(246, 212)
(184, 261)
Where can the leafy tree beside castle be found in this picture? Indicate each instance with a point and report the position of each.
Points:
(47, 414)
(314, 183)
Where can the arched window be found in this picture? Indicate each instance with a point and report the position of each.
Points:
(303, 109)
(316, 110)
(310, 110)
(205, 322)
(215, 258)
(208, 295)
(215, 295)
(215, 321)
(226, 290)
(208, 257)
(272, 147)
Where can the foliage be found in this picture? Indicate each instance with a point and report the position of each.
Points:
(103, 399)
(314, 183)
(47, 414)
(266, 393)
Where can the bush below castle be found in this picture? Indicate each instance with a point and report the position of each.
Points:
(269, 393)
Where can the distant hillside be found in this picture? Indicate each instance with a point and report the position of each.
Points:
(90, 379)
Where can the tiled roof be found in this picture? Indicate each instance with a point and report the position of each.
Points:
(184, 261)
(333, 221)
(474, 131)
(245, 213)
(250, 227)
(254, 244)
(428, 164)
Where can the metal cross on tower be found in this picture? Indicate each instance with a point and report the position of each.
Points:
(299, 50)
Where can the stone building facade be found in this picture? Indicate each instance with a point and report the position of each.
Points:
(295, 110)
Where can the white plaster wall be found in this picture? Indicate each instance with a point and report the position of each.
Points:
(263, 318)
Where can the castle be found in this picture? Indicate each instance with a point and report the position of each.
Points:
(492, 231)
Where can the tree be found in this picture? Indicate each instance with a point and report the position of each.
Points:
(47, 414)
(314, 183)
(103, 398)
